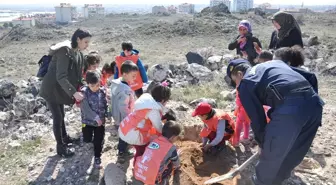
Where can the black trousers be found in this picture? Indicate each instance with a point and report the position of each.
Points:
(57, 111)
(98, 134)
(138, 92)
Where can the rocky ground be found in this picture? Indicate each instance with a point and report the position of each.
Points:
(27, 146)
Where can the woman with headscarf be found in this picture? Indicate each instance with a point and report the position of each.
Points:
(246, 45)
(287, 33)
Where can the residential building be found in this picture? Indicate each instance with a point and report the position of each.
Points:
(172, 9)
(93, 10)
(159, 10)
(46, 20)
(186, 8)
(25, 22)
(241, 5)
(65, 13)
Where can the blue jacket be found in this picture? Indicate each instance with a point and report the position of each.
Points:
(142, 69)
(93, 106)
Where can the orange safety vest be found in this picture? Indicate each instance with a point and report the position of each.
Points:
(211, 124)
(132, 122)
(147, 166)
(138, 83)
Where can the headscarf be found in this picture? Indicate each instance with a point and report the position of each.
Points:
(287, 23)
(246, 24)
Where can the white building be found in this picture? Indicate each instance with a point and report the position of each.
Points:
(65, 13)
(241, 5)
(186, 8)
(93, 10)
(25, 22)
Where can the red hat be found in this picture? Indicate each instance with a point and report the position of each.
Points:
(202, 109)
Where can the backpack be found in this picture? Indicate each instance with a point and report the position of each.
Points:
(43, 66)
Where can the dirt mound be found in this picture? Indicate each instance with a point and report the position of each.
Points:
(197, 168)
(216, 10)
(185, 27)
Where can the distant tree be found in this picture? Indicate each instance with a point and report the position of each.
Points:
(11, 25)
(265, 5)
(6, 25)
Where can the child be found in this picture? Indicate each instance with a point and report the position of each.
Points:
(218, 127)
(122, 98)
(156, 166)
(148, 109)
(265, 56)
(93, 111)
(246, 44)
(129, 53)
(294, 57)
(107, 72)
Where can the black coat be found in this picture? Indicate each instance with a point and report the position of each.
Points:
(294, 38)
(249, 47)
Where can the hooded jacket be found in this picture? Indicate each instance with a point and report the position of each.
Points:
(122, 100)
(64, 74)
(142, 69)
(146, 101)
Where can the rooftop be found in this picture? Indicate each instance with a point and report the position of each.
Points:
(23, 19)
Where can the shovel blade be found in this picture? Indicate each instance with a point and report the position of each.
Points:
(229, 175)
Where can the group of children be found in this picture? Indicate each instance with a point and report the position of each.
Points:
(140, 117)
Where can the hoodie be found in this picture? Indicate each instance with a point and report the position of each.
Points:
(142, 69)
(64, 74)
(145, 101)
(122, 100)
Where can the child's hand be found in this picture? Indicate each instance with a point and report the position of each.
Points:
(241, 39)
(257, 48)
(207, 147)
(100, 123)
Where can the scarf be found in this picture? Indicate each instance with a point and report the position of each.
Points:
(287, 23)
(246, 24)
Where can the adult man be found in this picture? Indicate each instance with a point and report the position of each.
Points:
(296, 113)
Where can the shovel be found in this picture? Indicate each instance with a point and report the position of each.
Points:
(234, 172)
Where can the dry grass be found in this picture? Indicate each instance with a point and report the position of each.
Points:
(207, 90)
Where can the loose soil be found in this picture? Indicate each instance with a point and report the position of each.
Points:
(197, 167)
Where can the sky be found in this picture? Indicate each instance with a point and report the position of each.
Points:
(286, 2)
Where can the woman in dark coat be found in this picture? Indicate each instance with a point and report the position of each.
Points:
(246, 45)
(60, 84)
(287, 33)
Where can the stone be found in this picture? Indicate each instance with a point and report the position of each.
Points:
(24, 105)
(113, 175)
(22, 129)
(14, 145)
(227, 58)
(214, 62)
(22, 84)
(40, 118)
(7, 88)
(212, 102)
(107, 148)
(182, 108)
(7, 173)
(198, 73)
(206, 52)
(31, 167)
(312, 41)
(193, 57)
(158, 72)
(228, 96)
(4, 117)
(310, 52)
(62, 169)
(50, 178)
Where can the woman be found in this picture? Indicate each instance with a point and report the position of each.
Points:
(246, 44)
(60, 84)
(287, 33)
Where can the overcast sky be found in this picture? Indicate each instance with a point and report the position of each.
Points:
(287, 2)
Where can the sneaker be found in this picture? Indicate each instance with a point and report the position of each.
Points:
(65, 151)
(97, 162)
(125, 154)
